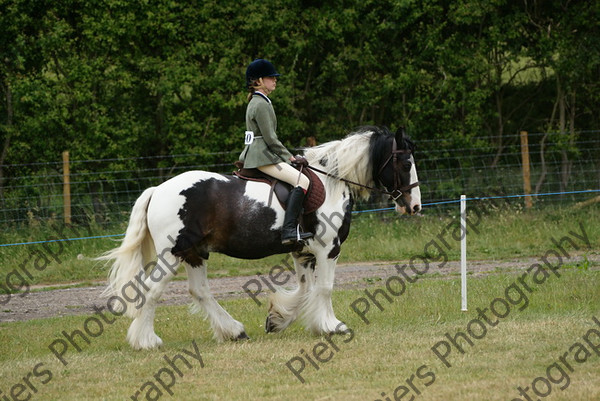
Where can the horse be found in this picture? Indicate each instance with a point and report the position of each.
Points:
(184, 219)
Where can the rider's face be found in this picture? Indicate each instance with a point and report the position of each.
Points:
(269, 84)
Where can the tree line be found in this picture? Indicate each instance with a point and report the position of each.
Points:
(111, 79)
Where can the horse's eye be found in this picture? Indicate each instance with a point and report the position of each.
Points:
(406, 165)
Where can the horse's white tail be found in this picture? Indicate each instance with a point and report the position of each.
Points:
(127, 274)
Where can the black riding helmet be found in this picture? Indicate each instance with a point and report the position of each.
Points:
(260, 68)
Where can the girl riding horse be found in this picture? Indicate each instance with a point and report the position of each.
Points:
(265, 152)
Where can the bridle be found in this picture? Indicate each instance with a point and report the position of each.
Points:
(398, 189)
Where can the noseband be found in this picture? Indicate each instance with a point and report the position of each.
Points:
(398, 189)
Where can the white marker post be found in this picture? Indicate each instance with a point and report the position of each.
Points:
(463, 252)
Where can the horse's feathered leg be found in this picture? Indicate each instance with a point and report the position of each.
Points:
(284, 305)
(317, 312)
(224, 326)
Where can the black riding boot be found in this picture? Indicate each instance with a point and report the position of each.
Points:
(290, 232)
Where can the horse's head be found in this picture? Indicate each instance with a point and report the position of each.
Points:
(397, 172)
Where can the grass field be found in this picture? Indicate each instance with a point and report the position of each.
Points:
(544, 340)
(393, 350)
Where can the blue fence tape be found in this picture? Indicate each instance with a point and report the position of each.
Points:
(62, 240)
(355, 212)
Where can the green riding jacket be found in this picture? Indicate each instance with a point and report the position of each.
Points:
(266, 148)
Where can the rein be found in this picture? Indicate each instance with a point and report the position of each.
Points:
(345, 180)
(396, 192)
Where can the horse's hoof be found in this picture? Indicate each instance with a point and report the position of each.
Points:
(341, 328)
(242, 336)
(270, 327)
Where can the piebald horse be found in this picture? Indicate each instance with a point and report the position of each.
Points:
(182, 220)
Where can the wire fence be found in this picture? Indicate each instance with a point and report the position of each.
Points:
(103, 191)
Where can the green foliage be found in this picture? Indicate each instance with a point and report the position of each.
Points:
(118, 78)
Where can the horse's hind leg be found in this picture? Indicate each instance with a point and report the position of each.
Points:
(141, 333)
(284, 305)
(223, 325)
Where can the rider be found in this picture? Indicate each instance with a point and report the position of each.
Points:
(264, 151)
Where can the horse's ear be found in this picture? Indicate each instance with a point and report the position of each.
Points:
(400, 134)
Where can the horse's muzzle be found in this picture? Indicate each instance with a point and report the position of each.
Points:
(404, 208)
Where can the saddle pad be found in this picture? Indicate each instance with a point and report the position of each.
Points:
(316, 191)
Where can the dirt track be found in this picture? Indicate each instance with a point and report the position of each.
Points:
(82, 300)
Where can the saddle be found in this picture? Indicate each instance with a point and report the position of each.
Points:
(314, 197)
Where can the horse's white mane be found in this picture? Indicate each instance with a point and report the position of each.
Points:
(348, 158)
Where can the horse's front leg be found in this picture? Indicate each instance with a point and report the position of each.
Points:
(284, 305)
(317, 312)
